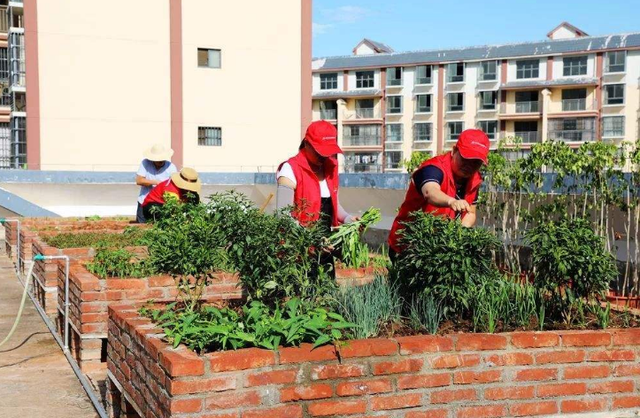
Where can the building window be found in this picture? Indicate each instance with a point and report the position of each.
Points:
(574, 66)
(613, 126)
(362, 136)
(455, 72)
(488, 71)
(423, 103)
(328, 110)
(614, 94)
(364, 109)
(362, 162)
(329, 81)
(454, 129)
(527, 131)
(615, 62)
(209, 58)
(394, 105)
(393, 160)
(394, 76)
(364, 79)
(421, 132)
(394, 132)
(455, 102)
(209, 136)
(423, 74)
(527, 102)
(574, 100)
(4, 64)
(573, 129)
(527, 68)
(489, 127)
(488, 100)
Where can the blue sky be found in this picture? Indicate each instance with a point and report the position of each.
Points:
(408, 25)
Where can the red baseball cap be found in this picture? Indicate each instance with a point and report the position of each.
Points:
(473, 144)
(323, 137)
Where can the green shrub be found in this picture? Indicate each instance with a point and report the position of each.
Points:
(369, 306)
(256, 325)
(118, 263)
(129, 237)
(417, 158)
(445, 259)
(568, 254)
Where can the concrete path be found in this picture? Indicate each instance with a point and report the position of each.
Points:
(35, 378)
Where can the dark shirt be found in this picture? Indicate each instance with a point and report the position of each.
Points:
(431, 173)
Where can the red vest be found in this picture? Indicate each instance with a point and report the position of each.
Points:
(306, 197)
(414, 200)
(156, 195)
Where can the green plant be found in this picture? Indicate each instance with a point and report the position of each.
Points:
(570, 262)
(255, 325)
(425, 313)
(370, 306)
(603, 315)
(118, 263)
(416, 159)
(445, 259)
(130, 237)
(348, 243)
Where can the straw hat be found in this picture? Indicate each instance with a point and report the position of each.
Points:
(187, 179)
(158, 153)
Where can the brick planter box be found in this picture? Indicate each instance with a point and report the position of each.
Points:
(90, 296)
(356, 277)
(454, 376)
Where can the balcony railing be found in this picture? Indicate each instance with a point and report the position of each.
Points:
(528, 107)
(4, 19)
(582, 135)
(328, 114)
(362, 168)
(528, 137)
(5, 100)
(364, 113)
(362, 141)
(572, 105)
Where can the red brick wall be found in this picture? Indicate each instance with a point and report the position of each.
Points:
(455, 376)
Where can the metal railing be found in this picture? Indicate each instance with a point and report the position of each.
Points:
(362, 168)
(528, 137)
(364, 113)
(572, 105)
(578, 135)
(393, 145)
(528, 107)
(362, 141)
(330, 114)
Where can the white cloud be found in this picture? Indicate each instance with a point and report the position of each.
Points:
(346, 14)
(320, 28)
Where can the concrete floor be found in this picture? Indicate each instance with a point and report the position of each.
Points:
(35, 378)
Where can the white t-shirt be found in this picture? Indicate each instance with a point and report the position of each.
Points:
(287, 172)
(149, 171)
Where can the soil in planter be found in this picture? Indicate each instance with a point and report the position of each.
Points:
(128, 238)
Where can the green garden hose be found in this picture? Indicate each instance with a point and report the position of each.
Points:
(24, 299)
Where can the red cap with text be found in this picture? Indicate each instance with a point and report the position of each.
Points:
(323, 137)
(473, 144)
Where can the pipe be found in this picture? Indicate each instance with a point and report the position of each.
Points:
(65, 345)
(17, 221)
(20, 309)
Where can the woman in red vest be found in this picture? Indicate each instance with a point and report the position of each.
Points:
(309, 181)
(446, 185)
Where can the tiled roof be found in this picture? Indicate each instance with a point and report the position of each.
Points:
(474, 53)
(578, 81)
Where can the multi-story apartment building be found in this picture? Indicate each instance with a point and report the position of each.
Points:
(90, 85)
(571, 87)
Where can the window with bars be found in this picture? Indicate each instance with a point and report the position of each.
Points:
(455, 72)
(488, 100)
(393, 160)
(364, 79)
(5, 145)
(423, 74)
(394, 76)
(4, 64)
(527, 68)
(394, 132)
(614, 94)
(455, 102)
(329, 81)
(488, 70)
(209, 58)
(209, 136)
(574, 66)
(454, 129)
(423, 103)
(422, 132)
(394, 105)
(489, 127)
(613, 126)
(615, 61)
